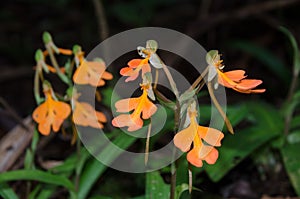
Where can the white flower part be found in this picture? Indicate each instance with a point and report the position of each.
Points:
(142, 51)
(222, 67)
(155, 61)
(212, 72)
(147, 80)
(216, 85)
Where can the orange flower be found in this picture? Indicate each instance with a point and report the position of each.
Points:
(233, 79)
(134, 68)
(140, 105)
(194, 133)
(92, 73)
(236, 80)
(85, 115)
(50, 113)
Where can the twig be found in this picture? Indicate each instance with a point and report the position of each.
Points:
(219, 108)
(102, 22)
(13, 144)
(253, 9)
(13, 113)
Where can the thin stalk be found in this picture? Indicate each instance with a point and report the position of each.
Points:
(219, 108)
(156, 78)
(170, 78)
(291, 93)
(62, 76)
(148, 143)
(36, 88)
(190, 177)
(174, 164)
(78, 149)
(199, 79)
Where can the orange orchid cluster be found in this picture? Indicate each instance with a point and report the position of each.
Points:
(141, 107)
(197, 140)
(54, 110)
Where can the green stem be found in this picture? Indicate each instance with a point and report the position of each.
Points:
(174, 164)
(36, 88)
(219, 108)
(291, 93)
(62, 76)
(78, 152)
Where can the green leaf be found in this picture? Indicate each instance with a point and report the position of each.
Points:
(46, 192)
(33, 194)
(290, 154)
(156, 187)
(94, 169)
(180, 189)
(296, 56)
(37, 175)
(295, 123)
(235, 148)
(294, 137)
(265, 56)
(266, 116)
(6, 192)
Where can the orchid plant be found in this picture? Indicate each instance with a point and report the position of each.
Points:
(62, 111)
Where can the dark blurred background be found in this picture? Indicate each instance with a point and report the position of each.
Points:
(245, 32)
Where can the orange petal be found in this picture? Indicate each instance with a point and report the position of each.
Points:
(56, 124)
(126, 71)
(81, 74)
(45, 127)
(258, 91)
(210, 135)
(40, 113)
(96, 67)
(193, 158)
(60, 109)
(107, 76)
(101, 82)
(145, 69)
(184, 138)
(134, 63)
(65, 51)
(149, 109)
(212, 156)
(101, 117)
(223, 80)
(126, 120)
(204, 151)
(126, 105)
(235, 75)
(247, 84)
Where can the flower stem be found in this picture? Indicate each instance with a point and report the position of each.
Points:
(219, 108)
(148, 143)
(62, 76)
(199, 79)
(170, 78)
(36, 88)
(291, 93)
(174, 164)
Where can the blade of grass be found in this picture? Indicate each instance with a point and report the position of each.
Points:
(6, 192)
(37, 175)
